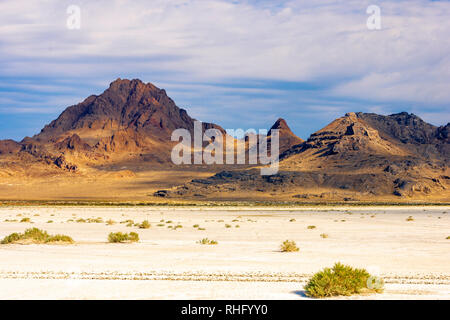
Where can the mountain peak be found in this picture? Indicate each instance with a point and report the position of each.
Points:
(287, 138)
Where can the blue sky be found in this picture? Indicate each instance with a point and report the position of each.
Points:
(240, 64)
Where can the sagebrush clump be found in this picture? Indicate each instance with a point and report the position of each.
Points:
(119, 237)
(206, 241)
(145, 225)
(35, 235)
(289, 246)
(342, 280)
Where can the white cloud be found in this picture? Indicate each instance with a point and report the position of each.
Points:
(199, 41)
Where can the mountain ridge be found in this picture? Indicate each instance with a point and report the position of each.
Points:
(129, 125)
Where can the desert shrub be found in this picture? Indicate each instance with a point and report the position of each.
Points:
(50, 221)
(201, 229)
(160, 225)
(95, 220)
(228, 226)
(311, 227)
(237, 226)
(206, 241)
(292, 220)
(342, 280)
(134, 237)
(169, 221)
(178, 226)
(448, 238)
(81, 220)
(25, 220)
(324, 235)
(410, 218)
(35, 235)
(13, 237)
(129, 224)
(195, 226)
(145, 225)
(289, 246)
(235, 220)
(110, 222)
(119, 237)
(60, 238)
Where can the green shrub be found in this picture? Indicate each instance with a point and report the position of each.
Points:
(35, 235)
(145, 225)
(133, 237)
(342, 280)
(289, 246)
(119, 237)
(206, 241)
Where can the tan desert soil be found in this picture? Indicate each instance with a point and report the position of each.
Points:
(412, 256)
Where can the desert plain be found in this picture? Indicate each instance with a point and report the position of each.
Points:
(407, 246)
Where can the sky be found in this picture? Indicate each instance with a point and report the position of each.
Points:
(240, 64)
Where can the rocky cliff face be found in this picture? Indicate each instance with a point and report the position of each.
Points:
(358, 156)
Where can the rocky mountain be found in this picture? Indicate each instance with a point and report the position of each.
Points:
(359, 156)
(127, 129)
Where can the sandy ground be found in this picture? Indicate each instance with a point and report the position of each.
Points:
(413, 257)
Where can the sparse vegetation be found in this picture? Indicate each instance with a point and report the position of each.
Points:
(36, 236)
(289, 246)
(119, 237)
(342, 280)
(206, 241)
